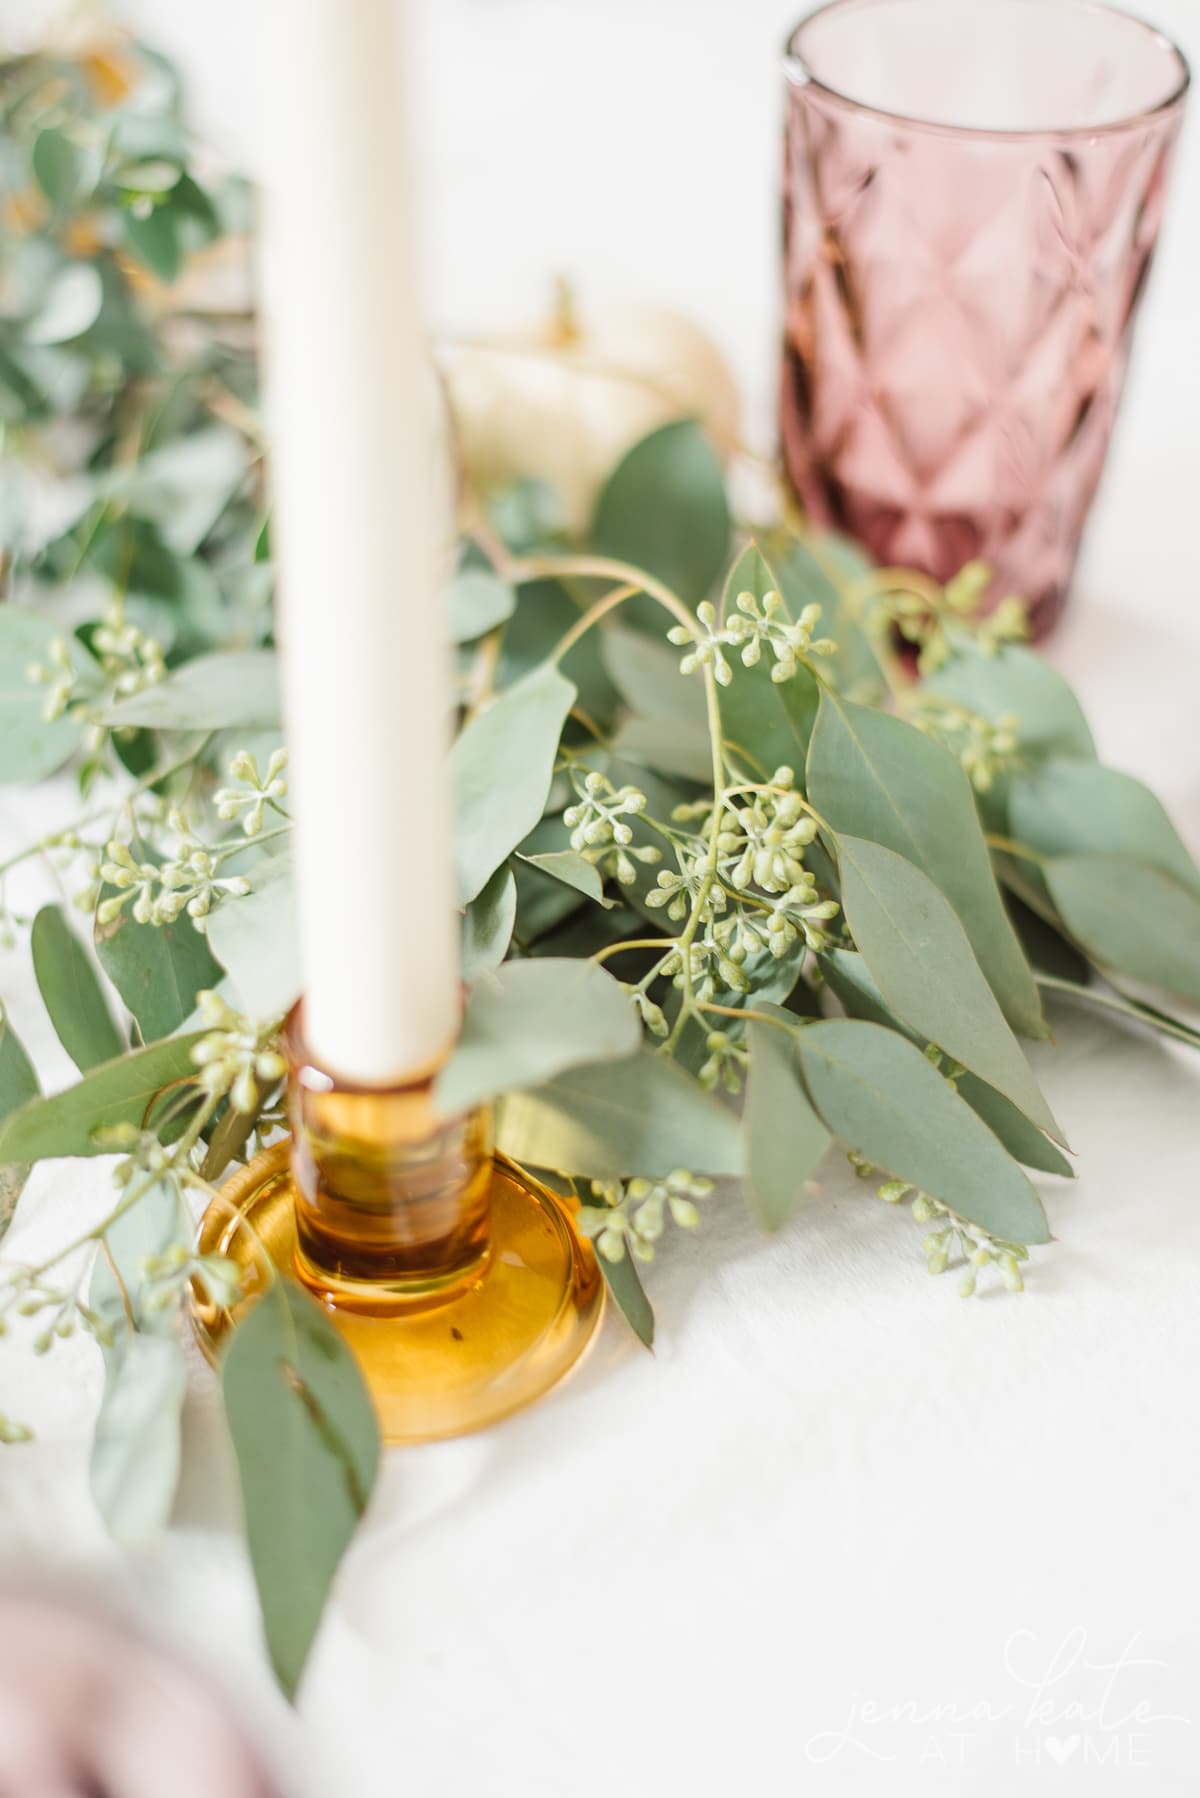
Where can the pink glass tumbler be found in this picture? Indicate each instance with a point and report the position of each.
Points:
(972, 194)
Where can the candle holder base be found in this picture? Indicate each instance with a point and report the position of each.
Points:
(450, 1365)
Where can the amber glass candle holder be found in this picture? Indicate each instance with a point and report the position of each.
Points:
(457, 1279)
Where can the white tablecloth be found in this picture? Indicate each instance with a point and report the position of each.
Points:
(843, 1533)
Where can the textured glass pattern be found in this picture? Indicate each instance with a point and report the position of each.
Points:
(959, 306)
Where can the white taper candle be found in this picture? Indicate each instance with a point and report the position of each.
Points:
(366, 667)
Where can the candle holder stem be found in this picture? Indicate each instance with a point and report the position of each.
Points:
(457, 1280)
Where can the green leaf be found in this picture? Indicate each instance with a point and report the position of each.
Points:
(216, 692)
(307, 1448)
(849, 979)
(71, 305)
(118, 1092)
(1079, 808)
(628, 1295)
(874, 776)
(664, 509)
(156, 240)
(925, 968)
(71, 990)
(136, 1448)
(646, 674)
(58, 166)
(805, 581)
(488, 925)
(545, 612)
(254, 939)
(1130, 917)
(669, 730)
(531, 1020)
(767, 725)
(879, 1095)
(669, 748)
(157, 968)
(571, 868)
(478, 601)
(785, 1139)
(30, 748)
(503, 763)
(1015, 682)
(155, 1224)
(18, 1085)
(641, 1116)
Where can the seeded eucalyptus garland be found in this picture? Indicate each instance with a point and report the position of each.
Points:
(764, 853)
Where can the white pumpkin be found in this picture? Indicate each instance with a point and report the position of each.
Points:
(562, 403)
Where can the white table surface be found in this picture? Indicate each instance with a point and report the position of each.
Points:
(843, 1533)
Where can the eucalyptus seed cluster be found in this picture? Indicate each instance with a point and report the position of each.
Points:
(249, 800)
(728, 1059)
(955, 1241)
(237, 1056)
(983, 747)
(761, 842)
(26, 1292)
(127, 662)
(599, 832)
(753, 626)
(634, 1213)
(188, 880)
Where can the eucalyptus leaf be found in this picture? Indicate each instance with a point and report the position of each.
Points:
(805, 581)
(663, 509)
(531, 1020)
(669, 748)
(254, 940)
(646, 674)
(59, 167)
(18, 1085)
(629, 1296)
(766, 724)
(545, 612)
(71, 990)
(122, 1091)
(573, 870)
(918, 952)
(478, 601)
(488, 925)
(157, 1222)
(158, 969)
(1131, 917)
(849, 979)
(157, 240)
(30, 746)
(879, 1095)
(874, 776)
(641, 1116)
(785, 1139)
(1080, 808)
(71, 306)
(215, 692)
(503, 763)
(1014, 683)
(136, 1447)
(307, 1447)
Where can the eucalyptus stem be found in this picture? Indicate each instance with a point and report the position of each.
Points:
(689, 1008)
(636, 942)
(1089, 995)
(1008, 846)
(611, 600)
(150, 779)
(601, 568)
